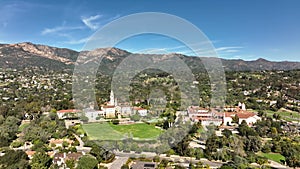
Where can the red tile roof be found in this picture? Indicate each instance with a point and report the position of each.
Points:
(245, 115)
(109, 106)
(74, 156)
(138, 108)
(69, 111)
(241, 114)
(30, 153)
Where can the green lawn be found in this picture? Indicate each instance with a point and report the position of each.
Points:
(272, 156)
(23, 126)
(288, 116)
(285, 115)
(107, 131)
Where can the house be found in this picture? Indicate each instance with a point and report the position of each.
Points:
(61, 158)
(217, 117)
(94, 115)
(144, 165)
(196, 111)
(249, 117)
(69, 123)
(140, 111)
(205, 116)
(109, 111)
(68, 114)
(125, 110)
(30, 154)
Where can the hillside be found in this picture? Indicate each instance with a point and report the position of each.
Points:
(26, 55)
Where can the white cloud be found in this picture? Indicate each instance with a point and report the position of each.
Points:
(60, 29)
(231, 51)
(229, 48)
(88, 21)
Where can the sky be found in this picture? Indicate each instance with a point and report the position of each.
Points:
(248, 29)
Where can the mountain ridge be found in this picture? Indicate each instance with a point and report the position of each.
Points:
(26, 54)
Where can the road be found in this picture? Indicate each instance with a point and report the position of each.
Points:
(118, 162)
(81, 143)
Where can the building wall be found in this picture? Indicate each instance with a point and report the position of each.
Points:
(142, 112)
(92, 115)
(206, 123)
(110, 112)
(250, 120)
(227, 120)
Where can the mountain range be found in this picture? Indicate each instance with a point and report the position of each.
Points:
(26, 55)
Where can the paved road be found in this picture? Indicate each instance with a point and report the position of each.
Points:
(118, 162)
(277, 165)
(81, 143)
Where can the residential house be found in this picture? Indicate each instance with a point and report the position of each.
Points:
(140, 111)
(30, 153)
(68, 114)
(205, 115)
(94, 115)
(249, 117)
(61, 158)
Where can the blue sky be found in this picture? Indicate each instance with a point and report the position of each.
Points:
(247, 30)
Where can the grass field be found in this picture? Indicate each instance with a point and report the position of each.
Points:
(288, 116)
(273, 156)
(23, 126)
(285, 115)
(107, 131)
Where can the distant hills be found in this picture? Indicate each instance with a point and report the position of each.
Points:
(26, 55)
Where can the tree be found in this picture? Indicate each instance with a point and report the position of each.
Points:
(262, 160)
(266, 148)
(235, 119)
(84, 118)
(245, 130)
(40, 160)
(237, 145)
(227, 133)
(179, 167)
(135, 117)
(262, 113)
(156, 159)
(70, 163)
(101, 154)
(87, 161)
(280, 103)
(163, 164)
(274, 131)
(276, 116)
(198, 153)
(9, 128)
(182, 147)
(212, 144)
(293, 160)
(115, 121)
(14, 159)
(125, 166)
(252, 143)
